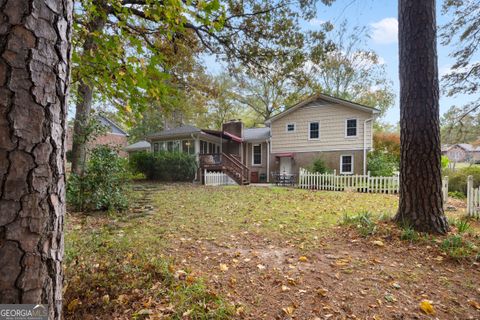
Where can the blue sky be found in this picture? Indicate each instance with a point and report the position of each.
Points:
(381, 17)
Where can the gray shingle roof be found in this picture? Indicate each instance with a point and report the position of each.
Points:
(140, 145)
(256, 134)
(183, 130)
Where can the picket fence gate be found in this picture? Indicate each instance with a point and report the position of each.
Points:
(214, 178)
(473, 199)
(359, 183)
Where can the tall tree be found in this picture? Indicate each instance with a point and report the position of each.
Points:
(34, 78)
(463, 34)
(421, 200)
(459, 126)
(352, 72)
(126, 48)
(268, 93)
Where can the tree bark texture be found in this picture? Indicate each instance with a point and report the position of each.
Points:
(34, 77)
(421, 203)
(85, 99)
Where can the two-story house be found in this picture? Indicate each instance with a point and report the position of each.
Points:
(335, 130)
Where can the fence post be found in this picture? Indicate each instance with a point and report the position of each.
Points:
(334, 188)
(368, 181)
(470, 195)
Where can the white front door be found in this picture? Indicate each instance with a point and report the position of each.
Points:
(285, 165)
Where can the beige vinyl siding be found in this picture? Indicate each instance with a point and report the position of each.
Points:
(332, 119)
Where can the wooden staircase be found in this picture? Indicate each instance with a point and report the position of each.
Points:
(228, 164)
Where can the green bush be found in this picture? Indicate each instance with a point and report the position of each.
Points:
(68, 155)
(164, 166)
(320, 166)
(104, 184)
(457, 180)
(382, 164)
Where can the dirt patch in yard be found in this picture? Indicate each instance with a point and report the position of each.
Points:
(347, 277)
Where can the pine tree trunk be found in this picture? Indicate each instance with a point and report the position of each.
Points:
(85, 99)
(421, 203)
(34, 77)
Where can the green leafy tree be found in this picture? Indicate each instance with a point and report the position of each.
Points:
(351, 72)
(127, 51)
(460, 126)
(463, 34)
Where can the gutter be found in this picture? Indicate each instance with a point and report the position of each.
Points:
(365, 145)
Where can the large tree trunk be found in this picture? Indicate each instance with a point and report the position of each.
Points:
(421, 203)
(80, 130)
(34, 77)
(85, 99)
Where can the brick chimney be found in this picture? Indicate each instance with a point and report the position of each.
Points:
(234, 127)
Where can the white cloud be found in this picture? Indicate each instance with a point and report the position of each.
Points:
(316, 22)
(385, 31)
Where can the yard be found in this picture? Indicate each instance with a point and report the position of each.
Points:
(193, 252)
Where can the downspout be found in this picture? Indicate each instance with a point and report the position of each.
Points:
(268, 160)
(365, 145)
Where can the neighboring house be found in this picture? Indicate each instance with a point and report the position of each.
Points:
(115, 136)
(335, 130)
(462, 152)
(138, 147)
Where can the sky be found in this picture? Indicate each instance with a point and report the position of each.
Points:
(381, 18)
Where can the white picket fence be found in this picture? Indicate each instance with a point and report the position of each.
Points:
(213, 178)
(359, 183)
(473, 199)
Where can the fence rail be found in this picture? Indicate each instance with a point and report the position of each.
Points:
(214, 178)
(359, 183)
(473, 199)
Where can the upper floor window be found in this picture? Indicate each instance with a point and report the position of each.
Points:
(290, 127)
(257, 154)
(351, 128)
(346, 164)
(314, 130)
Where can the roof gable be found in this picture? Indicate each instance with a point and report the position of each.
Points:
(114, 128)
(323, 99)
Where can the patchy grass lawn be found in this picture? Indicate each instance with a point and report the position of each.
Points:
(193, 252)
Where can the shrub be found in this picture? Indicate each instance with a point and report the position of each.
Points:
(320, 166)
(457, 181)
(382, 164)
(388, 143)
(68, 155)
(363, 222)
(456, 247)
(164, 166)
(445, 161)
(104, 184)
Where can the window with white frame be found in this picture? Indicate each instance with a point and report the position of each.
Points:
(314, 130)
(155, 147)
(290, 127)
(346, 164)
(256, 154)
(351, 128)
(203, 147)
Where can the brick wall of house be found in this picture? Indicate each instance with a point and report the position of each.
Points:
(331, 158)
(110, 139)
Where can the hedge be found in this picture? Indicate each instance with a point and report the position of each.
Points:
(164, 166)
